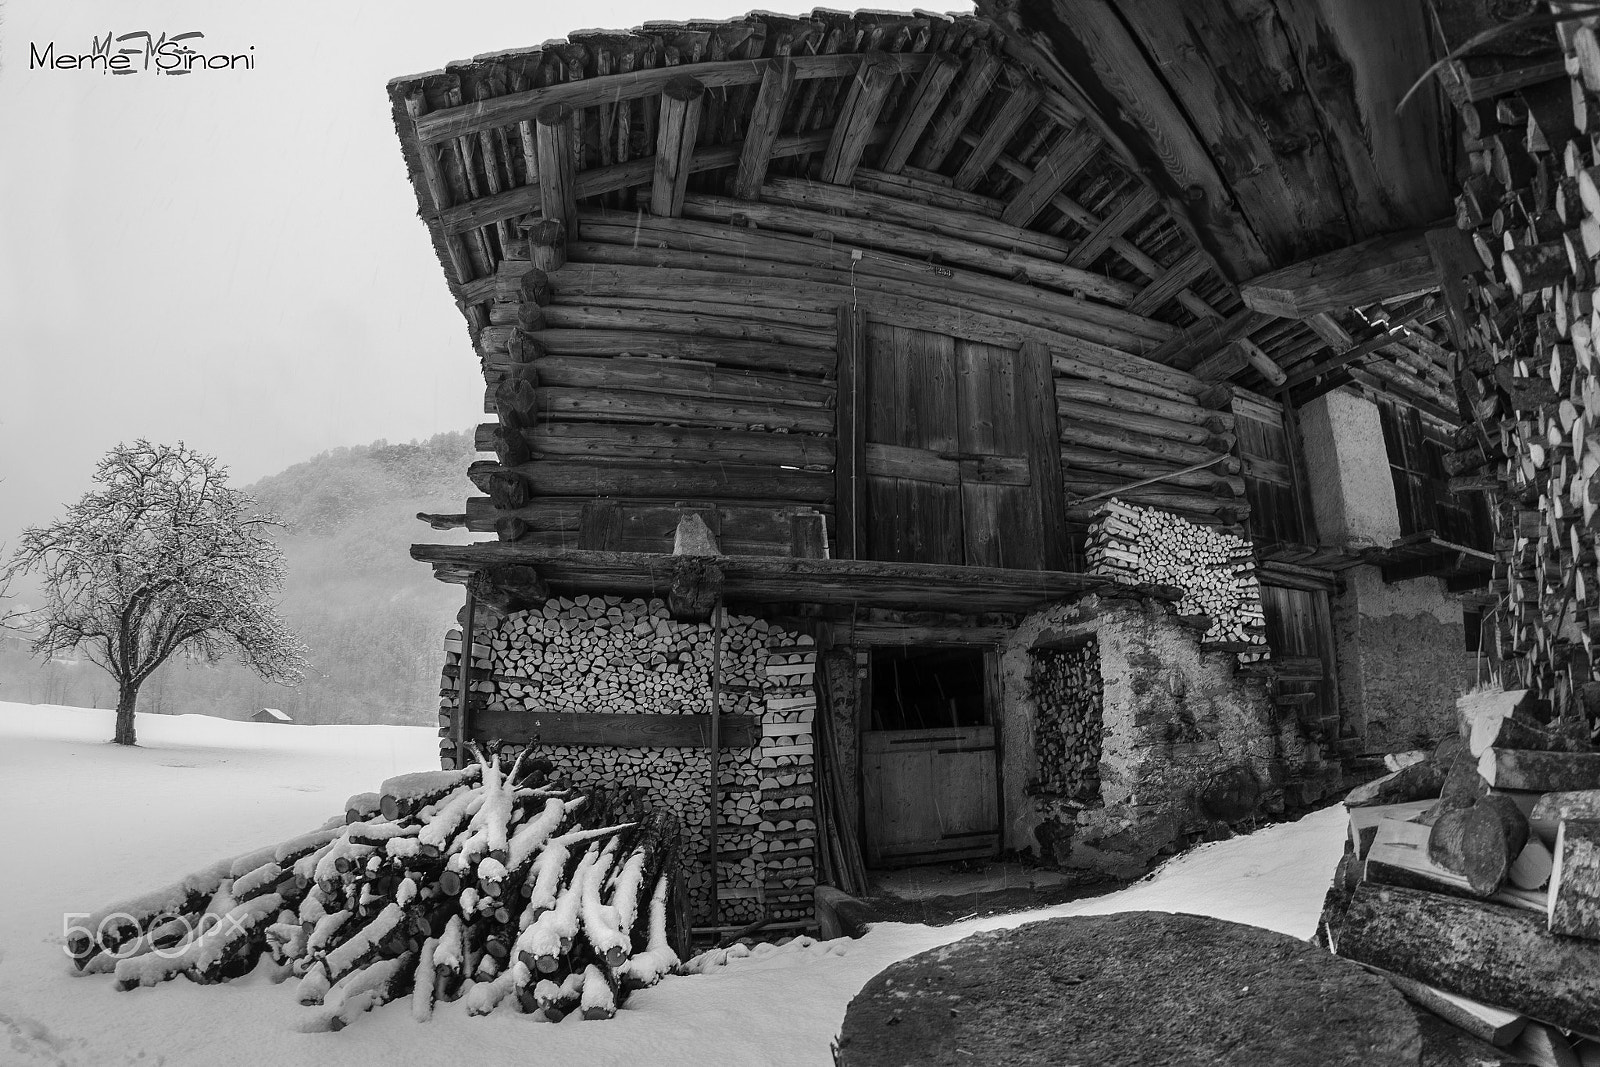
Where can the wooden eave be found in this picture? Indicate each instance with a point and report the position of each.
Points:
(791, 580)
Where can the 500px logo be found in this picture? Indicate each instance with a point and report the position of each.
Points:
(139, 52)
(165, 937)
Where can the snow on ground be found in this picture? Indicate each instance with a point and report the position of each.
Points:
(86, 823)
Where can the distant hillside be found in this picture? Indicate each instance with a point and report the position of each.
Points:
(373, 618)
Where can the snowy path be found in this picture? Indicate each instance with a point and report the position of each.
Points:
(88, 822)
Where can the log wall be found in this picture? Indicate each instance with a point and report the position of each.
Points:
(603, 664)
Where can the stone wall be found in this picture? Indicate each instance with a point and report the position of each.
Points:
(1402, 652)
(1189, 742)
(616, 656)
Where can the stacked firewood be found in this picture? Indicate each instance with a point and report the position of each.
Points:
(1526, 315)
(1215, 570)
(1472, 875)
(1068, 691)
(475, 883)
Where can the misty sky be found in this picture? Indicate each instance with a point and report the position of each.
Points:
(232, 258)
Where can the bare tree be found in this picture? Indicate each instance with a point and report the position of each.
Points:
(162, 557)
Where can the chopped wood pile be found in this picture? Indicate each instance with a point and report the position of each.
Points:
(1472, 878)
(1068, 691)
(1524, 303)
(626, 663)
(474, 883)
(1215, 570)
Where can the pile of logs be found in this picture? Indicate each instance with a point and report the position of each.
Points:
(482, 884)
(1472, 875)
(1215, 570)
(1068, 691)
(606, 654)
(1527, 322)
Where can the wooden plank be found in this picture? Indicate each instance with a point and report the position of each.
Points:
(673, 377)
(1070, 154)
(614, 731)
(562, 477)
(1356, 275)
(869, 634)
(676, 132)
(965, 99)
(997, 133)
(850, 432)
(756, 355)
(558, 187)
(869, 90)
(1174, 280)
(766, 117)
(743, 327)
(919, 110)
(874, 583)
(920, 464)
(601, 441)
(1000, 516)
(1233, 76)
(448, 123)
(618, 405)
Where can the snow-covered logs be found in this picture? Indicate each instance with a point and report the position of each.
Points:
(1215, 570)
(497, 887)
(612, 655)
(1067, 690)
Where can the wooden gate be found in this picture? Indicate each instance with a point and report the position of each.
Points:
(961, 459)
(929, 795)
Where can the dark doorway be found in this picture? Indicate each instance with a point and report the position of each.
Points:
(927, 689)
(930, 790)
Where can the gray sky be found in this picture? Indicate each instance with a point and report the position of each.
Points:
(232, 258)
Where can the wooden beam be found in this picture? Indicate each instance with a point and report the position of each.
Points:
(869, 90)
(965, 99)
(676, 132)
(997, 134)
(1069, 156)
(766, 116)
(1172, 281)
(919, 110)
(614, 731)
(1341, 358)
(1354, 276)
(1131, 210)
(558, 187)
(850, 491)
(783, 579)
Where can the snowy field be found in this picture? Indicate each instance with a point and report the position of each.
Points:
(89, 823)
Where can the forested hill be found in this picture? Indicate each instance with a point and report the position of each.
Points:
(373, 618)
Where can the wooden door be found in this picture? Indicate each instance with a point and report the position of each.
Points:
(929, 795)
(1300, 635)
(962, 457)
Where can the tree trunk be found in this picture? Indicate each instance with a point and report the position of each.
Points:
(127, 697)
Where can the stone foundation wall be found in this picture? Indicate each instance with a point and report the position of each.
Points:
(615, 656)
(1189, 745)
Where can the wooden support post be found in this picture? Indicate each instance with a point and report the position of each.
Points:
(1065, 160)
(458, 729)
(765, 119)
(916, 113)
(676, 133)
(558, 185)
(714, 750)
(850, 487)
(997, 134)
(869, 89)
(547, 244)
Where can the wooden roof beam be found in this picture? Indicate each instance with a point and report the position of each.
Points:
(997, 134)
(1358, 274)
(1114, 225)
(676, 132)
(1069, 156)
(919, 111)
(964, 100)
(869, 90)
(765, 119)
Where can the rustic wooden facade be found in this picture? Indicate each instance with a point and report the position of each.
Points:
(892, 303)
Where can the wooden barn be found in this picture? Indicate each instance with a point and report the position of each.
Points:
(914, 437)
